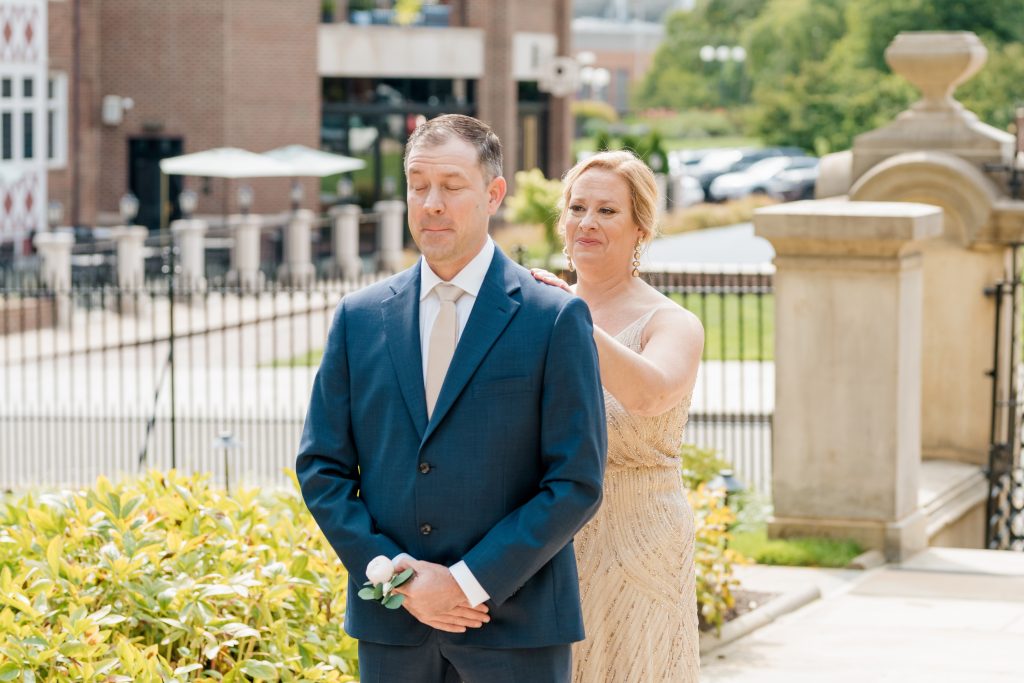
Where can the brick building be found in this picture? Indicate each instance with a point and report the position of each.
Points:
(129, 82)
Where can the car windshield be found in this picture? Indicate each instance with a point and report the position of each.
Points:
(716, 161)
(766, 168)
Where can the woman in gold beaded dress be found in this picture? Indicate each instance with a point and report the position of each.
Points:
(636, 556)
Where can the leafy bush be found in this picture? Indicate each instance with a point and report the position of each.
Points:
(700, 465)
(167, 579)
(713, 557)
(536, 202)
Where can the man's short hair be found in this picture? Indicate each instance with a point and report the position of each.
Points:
(439, 130)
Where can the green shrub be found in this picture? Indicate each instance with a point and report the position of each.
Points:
(168, 579)
(713, 556)
(536, 202)
(700, 465)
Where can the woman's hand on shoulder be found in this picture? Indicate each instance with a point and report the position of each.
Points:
(549, 278)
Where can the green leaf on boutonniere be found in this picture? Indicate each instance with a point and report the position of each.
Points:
(378, 591)
(367, 594)
(394, 602)
(401, 578)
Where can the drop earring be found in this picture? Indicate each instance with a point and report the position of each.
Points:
(568, 259)
(636, 260)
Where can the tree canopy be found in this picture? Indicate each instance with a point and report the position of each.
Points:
(815, 74)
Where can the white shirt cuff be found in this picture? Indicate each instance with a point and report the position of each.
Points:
(474, 592)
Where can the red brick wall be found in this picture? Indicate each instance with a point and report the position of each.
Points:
(214, 72)
(59, 27)
(272, 86)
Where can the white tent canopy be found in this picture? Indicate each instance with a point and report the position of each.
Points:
(306, 161)
(226, 162)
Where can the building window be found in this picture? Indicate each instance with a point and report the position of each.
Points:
(6, 136)
(5, 88)
(28, 138)
(27, 88)
(57, 120)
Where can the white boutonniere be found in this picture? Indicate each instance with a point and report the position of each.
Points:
(383, 582)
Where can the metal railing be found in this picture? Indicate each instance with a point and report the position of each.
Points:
(90, 385)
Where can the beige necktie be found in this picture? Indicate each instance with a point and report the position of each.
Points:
(443, 338)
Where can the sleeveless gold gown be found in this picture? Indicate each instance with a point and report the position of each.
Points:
(636, 556)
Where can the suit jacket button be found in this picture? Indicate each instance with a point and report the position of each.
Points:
(424, 467)
(426, 529)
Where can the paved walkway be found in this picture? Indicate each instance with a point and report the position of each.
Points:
(944, 616)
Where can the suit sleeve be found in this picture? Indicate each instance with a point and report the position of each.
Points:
(327, 465)
(573, 448)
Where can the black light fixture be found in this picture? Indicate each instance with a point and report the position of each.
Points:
(129, 208)
(188, 200)
(727, 482)
(54, 214)
(245, 195)
(344, 189)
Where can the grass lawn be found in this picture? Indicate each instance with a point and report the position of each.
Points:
(794, 552)
(720, 314)
(736, 326)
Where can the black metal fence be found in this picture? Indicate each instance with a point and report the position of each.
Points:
(99, 380)
(734, 400)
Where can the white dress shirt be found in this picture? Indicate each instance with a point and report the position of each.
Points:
(469, 280)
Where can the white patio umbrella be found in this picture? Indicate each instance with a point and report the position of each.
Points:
(226, 162)
(221, 162)
(306, 161)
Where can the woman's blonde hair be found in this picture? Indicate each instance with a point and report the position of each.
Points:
(643, 190)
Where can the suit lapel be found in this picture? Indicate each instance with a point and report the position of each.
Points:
(492, 312)
(401, 314)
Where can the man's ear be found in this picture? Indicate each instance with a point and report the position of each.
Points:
(495, 193)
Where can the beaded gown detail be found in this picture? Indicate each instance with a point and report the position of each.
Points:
(636, 556)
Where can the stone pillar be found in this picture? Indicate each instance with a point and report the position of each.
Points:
(847, 429)
(298, 270)
(662, 182)
(55, 250)
(131, 260)
(345, 240)
(188, 236)
(245, 255)
(390, 229)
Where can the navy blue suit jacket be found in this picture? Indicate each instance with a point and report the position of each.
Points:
(506, 471)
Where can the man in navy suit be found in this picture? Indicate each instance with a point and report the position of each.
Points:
(457, 423)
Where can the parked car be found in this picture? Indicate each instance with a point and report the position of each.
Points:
(725, 161)
(755, 178)
(684, 190)
(687, 160)
(794, 183)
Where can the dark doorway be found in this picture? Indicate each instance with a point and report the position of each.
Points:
(144, 155)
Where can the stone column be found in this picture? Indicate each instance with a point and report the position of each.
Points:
(188, 236)
(298, 269)
(55, 250)
(391, 228)
(662, 182)
(245, 255)
(345, 240)
(847, 430)
(131, 260)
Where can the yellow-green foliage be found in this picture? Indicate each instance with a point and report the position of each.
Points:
(536, 202)
(168, 579)
(714, 559)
